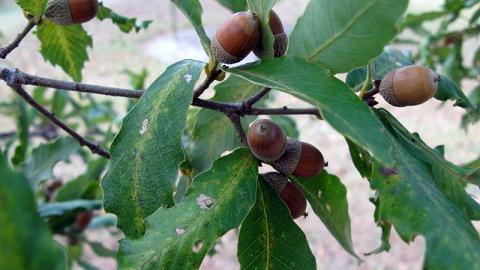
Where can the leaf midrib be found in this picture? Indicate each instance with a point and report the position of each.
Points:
(340, 33)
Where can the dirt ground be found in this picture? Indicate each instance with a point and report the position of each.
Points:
(170, 39)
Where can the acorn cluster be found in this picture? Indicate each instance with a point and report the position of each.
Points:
(268, 143)
(242, 33)
(66, 12)
(409, 86)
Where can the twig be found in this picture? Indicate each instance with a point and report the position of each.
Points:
(284, 111)
(94, 147)
(12, 46)
(237, 124)
(46, 133)
(27, 79)
(206, 84)
(257, 97)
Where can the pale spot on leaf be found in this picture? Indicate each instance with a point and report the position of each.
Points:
(144, 126)
(319, 194)
(188, 78)
(327, 206)
(204, 201)
(179, 231)
(197, 247)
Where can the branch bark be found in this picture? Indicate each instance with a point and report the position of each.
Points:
(94, 147)
(4, 52)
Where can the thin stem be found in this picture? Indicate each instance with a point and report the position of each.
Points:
(8, 74)
(237, 124)
(208, 81)
(257, 97)
(284, 111)
(94, 147)
(12, 46)
(367, 82)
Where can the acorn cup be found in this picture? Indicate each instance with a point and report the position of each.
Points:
(280, 42)
(66, 12)
(289, 193)
(236, 37)
(300, 159)
(409, 86)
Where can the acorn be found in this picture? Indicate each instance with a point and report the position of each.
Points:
(82, 220)
(65, 12)
(236, 37)
(300, 159)
(266, 140)
(289, 192)
(408, 86)
(280, 42)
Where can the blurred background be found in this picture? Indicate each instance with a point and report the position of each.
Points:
(170, 38)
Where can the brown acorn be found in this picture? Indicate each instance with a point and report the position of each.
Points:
(280, 42)
(300, 159)
(82, 220)
(236, 37)
(65, 12)
(408, 86)
(266, 140)
(289, 192)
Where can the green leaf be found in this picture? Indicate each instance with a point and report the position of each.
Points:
(328, 198)
(262, 9)
(181, 236)
(34, 7)
(287, 124)
(85, 186)
(344, 34)
(23, 133)
(416, 20)
(270, 239)
(213, 133)
(147, 151)
(26, 241)
(338, 104)
(448, 90)
(60, 208)
(65, 46)
(101, 250)
(125, 24)
(234, 5)
(59, 102)
(361, 159)
(424, 196)
(40, 164)
(192, 9)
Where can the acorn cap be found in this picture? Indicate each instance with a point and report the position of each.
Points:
(280, 42)
(221, 55)
(287, 163)
(58, 11)
(65, 12)
(276, 180)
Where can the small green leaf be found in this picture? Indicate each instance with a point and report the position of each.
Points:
(147, 151)
(343, 34)
(60, 208)
(23, 133)
(65, 46)
(193, 11)
(26, 242)
(270, 239)
(416, 20)
(234, 5)
(339, 106)
(34, 7)
(213, 133)
(181, 236)
(125, 24)
(328, 198)
(448, 90)
(40, 164)
(262, 9)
